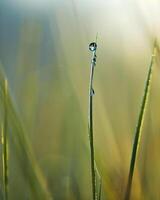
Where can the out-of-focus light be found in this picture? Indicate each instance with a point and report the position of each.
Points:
(33, 4)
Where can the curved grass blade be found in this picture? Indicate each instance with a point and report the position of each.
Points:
(140, 124)
(23, 150)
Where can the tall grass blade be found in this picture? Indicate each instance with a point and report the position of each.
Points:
(22, 149)
(140, 124)
(100, 190)
(92, 47)
(98, 183)
(5, 142)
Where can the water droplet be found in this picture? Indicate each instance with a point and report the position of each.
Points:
(92, 92)
(92, 46)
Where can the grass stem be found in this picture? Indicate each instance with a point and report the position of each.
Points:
(5, 142)
(140, 124)
(92, 47)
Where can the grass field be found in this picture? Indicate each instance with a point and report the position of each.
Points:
(44, 79)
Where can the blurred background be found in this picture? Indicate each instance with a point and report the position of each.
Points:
(44, 55)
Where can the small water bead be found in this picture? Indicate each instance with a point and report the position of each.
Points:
(92, 46)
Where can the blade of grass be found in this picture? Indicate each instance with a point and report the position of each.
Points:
(140, 124)
(92, 47)
(100, 190)
(5, 142)
(98, 183)
(1, 193)
(23, 150)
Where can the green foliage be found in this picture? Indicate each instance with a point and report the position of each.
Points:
(139, 125)
(17, 137)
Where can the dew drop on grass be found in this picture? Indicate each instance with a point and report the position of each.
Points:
(92, 46)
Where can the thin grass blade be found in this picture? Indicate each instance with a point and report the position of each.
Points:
(23, 150)
(4, 130)
(140, 123)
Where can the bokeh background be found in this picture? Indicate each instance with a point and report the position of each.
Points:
(44, 54)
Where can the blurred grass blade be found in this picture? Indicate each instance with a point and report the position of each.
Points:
(140, 123)
(100, 190)
(1, 193)
(22, 149)
(5, 142)
(98, 183)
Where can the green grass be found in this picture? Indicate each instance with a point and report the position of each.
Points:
(4, 130)
(21, 147)
(15, 141)
(139, 126)
(90, 127)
